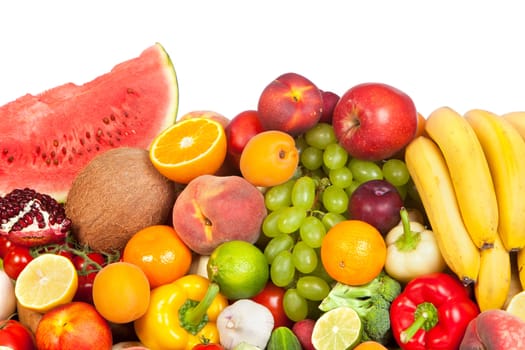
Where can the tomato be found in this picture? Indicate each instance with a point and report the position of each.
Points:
(238, 131)
(15, 336)
(272, 297)
(5, 245)
(16, 258)
(210, 346)
(86, 276)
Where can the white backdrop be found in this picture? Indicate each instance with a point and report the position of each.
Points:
(463, 54)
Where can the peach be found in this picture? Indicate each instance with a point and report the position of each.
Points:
(290, 103)
(214, 209)
(494, 329)
(221, 119)
(75, 325)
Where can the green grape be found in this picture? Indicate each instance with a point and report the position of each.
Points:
(300, 143)
(282, 269)
(334, 156)
(312, 231)
(303, 192)
(330, 219)
(364, 170)
(304, 257)
(396, 172)
(290, 219)
(295, 306)
(312, 288)
(350, 189)
(320, 271)
(403, 191)
(335, 199)
(270, 226)
(320, 135)
(312, 158)
(340, 177)
(279, 196)
(276, 245)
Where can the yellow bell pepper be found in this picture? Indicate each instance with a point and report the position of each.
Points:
(181, 314)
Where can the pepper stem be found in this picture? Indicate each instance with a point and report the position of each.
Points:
(192, 314)
(409, 239)
(425, 317)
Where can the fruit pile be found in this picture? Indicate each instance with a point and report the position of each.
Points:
(313, 221)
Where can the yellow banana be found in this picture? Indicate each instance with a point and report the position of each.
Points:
(520, 261)
(469, 172)
(517, 119)
(494, 278)
(430, 174)
(505, 152)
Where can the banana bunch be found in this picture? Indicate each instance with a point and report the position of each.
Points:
(470, 174)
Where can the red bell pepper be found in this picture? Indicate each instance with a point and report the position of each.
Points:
(432, 313)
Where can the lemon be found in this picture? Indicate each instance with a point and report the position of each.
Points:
(337, 329)
(239, 268)
(516, 305)
(47, 281)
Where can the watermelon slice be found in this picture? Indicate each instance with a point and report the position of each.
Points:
(45, 140)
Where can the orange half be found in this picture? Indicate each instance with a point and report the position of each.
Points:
(188, 149)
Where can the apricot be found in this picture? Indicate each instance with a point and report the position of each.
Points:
(214, 209)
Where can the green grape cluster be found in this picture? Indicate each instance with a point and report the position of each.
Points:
(303, 209)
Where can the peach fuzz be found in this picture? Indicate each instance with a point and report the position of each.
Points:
(214, 209)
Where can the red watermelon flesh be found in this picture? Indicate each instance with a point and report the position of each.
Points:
(45, 140)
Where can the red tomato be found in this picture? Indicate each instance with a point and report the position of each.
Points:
(272, 297)
(238, 131)
(208, 347)
(5, 245)
(15, 336)
(15, 260)
(86, 276)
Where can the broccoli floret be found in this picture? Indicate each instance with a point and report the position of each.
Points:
(371, 301)
(376, 325)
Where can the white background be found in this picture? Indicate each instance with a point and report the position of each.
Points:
(463, 54)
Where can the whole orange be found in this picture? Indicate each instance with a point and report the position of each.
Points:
(160, 253)
(121, 292)
(269, 158)
(353, 252)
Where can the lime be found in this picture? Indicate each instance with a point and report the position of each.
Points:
(239, 268)
(337, 329)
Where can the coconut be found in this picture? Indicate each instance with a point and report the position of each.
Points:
(115, 195)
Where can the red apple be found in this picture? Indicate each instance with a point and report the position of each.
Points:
(377, 202)
(239, 131)
(75, 325)
(291, 103)
(330, 100)
(374, 121)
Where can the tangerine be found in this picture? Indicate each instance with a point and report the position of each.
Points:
(269, 158)
(189, 148)
(121, 292)
(160, 253)
(353, 252)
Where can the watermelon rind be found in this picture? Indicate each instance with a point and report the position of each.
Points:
(46, 139)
